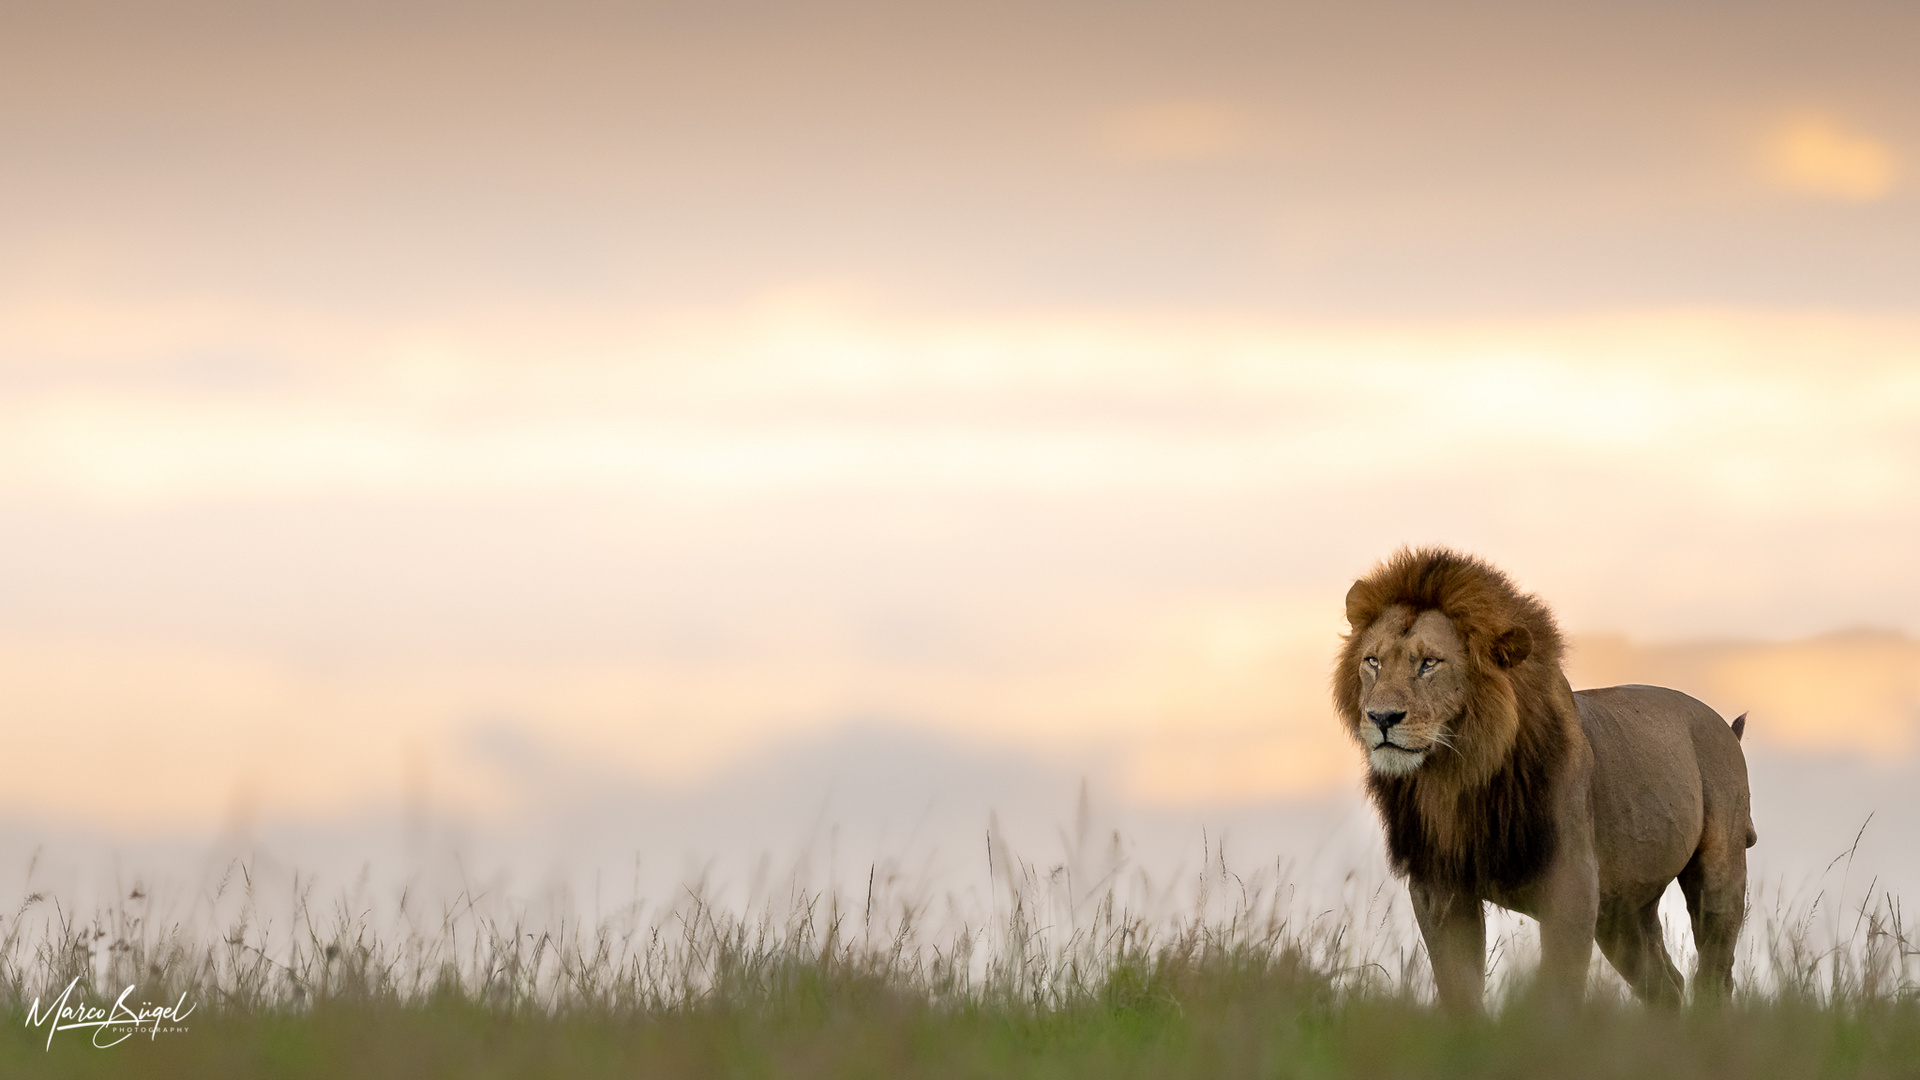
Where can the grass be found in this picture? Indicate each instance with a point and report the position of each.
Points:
(1240, 979)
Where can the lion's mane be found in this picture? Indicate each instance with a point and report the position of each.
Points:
(1480, 811)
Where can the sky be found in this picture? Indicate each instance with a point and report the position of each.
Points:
(445, 409)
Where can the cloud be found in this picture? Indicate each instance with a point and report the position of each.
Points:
(1178, 131)
(1079, 536)
(1818, 155)
(1856, 691)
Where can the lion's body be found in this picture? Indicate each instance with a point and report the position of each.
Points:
(1495, 782)
(1670, 802)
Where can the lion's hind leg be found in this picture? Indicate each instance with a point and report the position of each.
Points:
(1715, 884)
(1631, 940)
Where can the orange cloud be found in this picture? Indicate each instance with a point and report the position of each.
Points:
(1815, 154)
(1178, 131)
(1187, 702)
(1855, 691)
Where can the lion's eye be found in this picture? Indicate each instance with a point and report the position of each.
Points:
(1428, 665)
(1372, 662)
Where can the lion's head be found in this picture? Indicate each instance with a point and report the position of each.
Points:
(1426, 674)
(1450, 680)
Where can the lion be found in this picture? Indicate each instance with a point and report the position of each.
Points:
(1496, 782)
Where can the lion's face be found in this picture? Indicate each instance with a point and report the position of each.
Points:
(1413, 687)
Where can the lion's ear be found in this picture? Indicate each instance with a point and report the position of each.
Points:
(1512, 647)
(1354, 614)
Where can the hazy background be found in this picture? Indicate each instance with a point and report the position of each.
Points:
(568, 434)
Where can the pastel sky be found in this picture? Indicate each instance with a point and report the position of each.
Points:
(382, 385)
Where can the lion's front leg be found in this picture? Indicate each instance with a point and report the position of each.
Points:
(1569, 909)
(1566, 938)
(1455, 928)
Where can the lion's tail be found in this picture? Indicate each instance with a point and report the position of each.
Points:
(1740, 728)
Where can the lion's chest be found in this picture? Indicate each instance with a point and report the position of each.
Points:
(1492, 841)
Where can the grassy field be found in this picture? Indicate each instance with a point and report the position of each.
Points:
(1229, 1024)
(823, 988)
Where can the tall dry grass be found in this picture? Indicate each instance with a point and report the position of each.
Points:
(1056, 939)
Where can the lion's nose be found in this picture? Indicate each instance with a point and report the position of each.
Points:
(1386, 718)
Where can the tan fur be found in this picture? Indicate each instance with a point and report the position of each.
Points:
(1495, 782)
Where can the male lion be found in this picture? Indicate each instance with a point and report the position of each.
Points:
(1496, 782)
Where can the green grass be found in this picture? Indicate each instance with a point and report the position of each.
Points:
(1238, 983)
(1225, 1024)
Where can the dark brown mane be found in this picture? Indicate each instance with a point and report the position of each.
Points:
(1457, 821)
